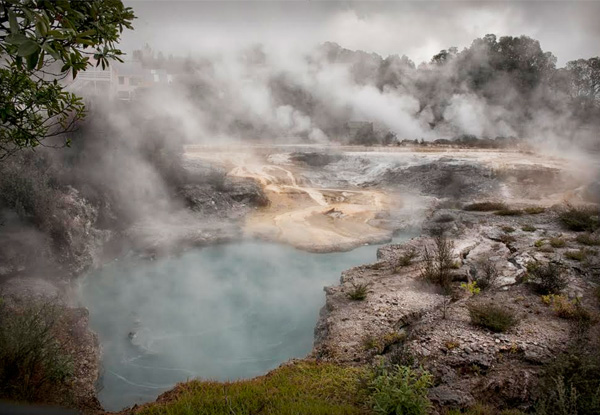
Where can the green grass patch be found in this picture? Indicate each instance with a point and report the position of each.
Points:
(529, 228)
(492, 317)
(299, 388)
(485, 207)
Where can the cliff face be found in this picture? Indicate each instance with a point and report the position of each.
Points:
(405, 319)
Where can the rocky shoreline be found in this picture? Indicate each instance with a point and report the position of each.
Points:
(402, 317)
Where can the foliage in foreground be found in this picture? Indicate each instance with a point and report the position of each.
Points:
(400, 390)
(300, 388)
(304, 387)
(492, 317)
(33, 365)
(571, 384)
(38, 37)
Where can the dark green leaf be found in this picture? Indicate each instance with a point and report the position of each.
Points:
(16, 39)
(12, 21)
(27, 48)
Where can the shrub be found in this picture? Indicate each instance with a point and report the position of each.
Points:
(580, 218)
(539, 243)
(534, 210)
(33, 365)
(508, 229)
(561, 305)
(547, 278)
(492, 317)
(578, 255)
(529, 228)
(487, 274)
(470, 287)
(509, 212)
(400, 391)
(571, 384)
(358, 292)
(485, 207)
(588, 239)
(557, 243)
(406, 258)
(438, 264)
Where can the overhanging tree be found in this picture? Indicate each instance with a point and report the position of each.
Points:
(42, 42)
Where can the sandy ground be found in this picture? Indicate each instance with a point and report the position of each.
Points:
(307, 217)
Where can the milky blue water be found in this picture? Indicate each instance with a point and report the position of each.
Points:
(222, 312)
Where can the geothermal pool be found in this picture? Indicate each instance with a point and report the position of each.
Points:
(221, 312)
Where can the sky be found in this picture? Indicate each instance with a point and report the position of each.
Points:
(418, 29)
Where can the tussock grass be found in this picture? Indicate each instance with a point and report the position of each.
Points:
(557, 243)
(529, 228)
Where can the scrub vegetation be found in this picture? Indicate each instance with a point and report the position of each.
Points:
(304, 387)
(33, 365)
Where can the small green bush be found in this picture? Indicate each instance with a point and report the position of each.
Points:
(486, 274)
(580, 219)
(407, 257)
(400, 391)
(529, 228)
(588, 239)
(546, 278)
(358, 292)
(578, 255)
(557, 243)
(492, 317)
(485, 207)
(438, 264)
(508, 229)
